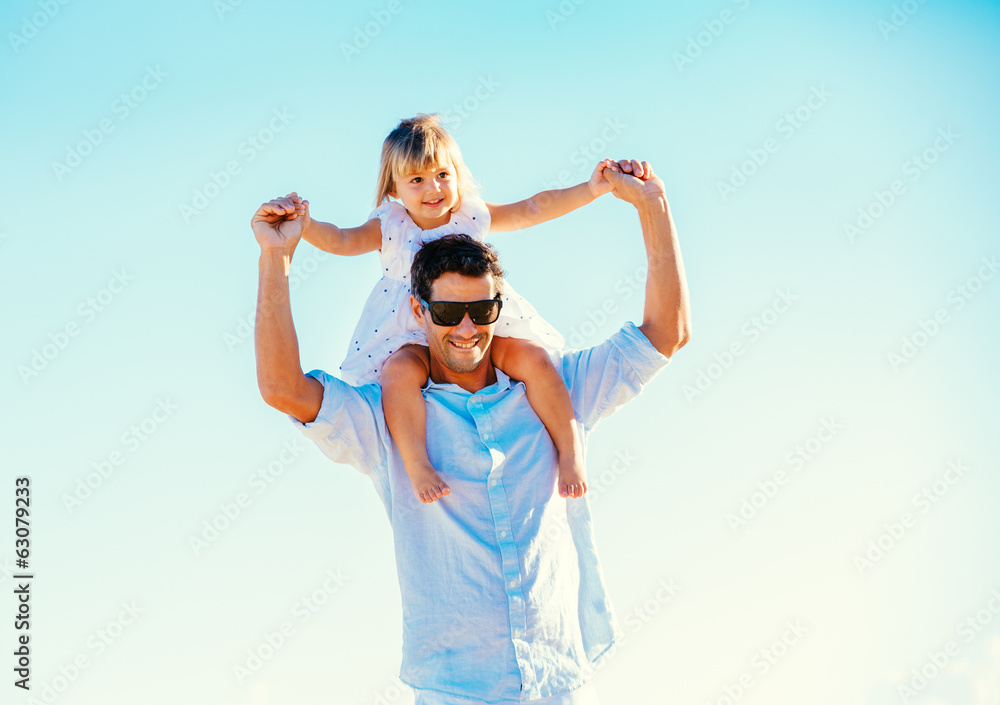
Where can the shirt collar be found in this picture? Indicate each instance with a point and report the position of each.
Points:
(501, 385)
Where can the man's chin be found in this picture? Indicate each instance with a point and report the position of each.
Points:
(465, 362)
(464, 365)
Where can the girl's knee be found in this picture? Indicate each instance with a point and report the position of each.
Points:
(410, 361)
(523, 355)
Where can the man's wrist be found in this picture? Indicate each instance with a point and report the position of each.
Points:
(652, 204)
(276, 257)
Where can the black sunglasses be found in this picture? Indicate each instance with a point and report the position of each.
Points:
(451, 313)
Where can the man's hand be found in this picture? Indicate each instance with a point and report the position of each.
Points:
(598, 183)
(278, 224)
(635, 182)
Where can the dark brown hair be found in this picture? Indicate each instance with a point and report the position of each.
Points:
(454, 253)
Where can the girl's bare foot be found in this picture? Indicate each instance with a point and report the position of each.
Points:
(572, 476)
(427, 484)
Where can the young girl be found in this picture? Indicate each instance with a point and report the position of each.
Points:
(422, 167)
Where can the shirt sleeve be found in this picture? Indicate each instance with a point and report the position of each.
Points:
(603, 378)
(350, 427)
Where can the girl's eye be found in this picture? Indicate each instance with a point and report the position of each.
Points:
(443, 174)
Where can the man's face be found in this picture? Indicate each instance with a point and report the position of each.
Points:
(463, 348)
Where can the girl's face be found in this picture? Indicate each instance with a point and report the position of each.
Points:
(429, 195)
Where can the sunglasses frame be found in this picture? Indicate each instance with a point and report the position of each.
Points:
(438, 321)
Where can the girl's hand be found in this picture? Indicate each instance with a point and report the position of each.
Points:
(277, 224)
(635, 182)
(301, 204)
(598, 183)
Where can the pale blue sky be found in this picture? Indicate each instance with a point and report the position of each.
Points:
(116, 119)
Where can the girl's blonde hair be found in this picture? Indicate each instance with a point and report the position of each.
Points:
(416, 144)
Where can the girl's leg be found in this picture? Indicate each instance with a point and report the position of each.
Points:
(403, 374)
(547, 393)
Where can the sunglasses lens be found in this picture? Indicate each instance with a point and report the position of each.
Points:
(447, 314)
(482, 313)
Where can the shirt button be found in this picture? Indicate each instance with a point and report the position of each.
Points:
(493, 483)
(513, 583)
(503, 533)
(517, 632)
(486, 436)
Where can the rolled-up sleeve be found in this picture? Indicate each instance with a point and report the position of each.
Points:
(350, 427)
(603, 378)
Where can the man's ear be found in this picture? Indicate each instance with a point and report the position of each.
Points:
(417, 310)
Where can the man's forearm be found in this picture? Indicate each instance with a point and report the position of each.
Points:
(667, 315)
(279, 371)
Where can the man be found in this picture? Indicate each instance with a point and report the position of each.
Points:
(502, 590)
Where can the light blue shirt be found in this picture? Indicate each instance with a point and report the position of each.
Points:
(503, 592)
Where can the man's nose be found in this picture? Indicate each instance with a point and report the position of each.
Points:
(466, 327)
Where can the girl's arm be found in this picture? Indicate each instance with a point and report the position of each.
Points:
(549, 204)
(340, 241)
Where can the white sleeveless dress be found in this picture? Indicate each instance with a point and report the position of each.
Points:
(386, 322)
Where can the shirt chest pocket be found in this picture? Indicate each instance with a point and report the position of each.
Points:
(456, 447)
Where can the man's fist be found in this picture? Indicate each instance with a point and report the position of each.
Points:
(278, 224)
(634, 181)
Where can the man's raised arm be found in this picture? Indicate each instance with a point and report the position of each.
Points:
(666, 320)
(277, 225)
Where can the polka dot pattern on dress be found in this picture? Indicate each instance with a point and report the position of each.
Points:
(387, 323)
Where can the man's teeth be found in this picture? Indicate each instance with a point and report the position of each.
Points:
(463, 345)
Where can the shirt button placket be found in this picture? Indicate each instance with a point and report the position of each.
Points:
(509, 561)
